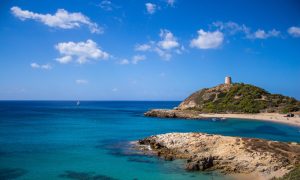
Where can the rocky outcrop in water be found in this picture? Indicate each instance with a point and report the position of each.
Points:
(168, 113)
(259, 158)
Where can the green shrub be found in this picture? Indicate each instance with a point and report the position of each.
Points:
(292, 175)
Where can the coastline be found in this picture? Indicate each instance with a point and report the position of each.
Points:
(270, 117)
(189, 114)
(234, 156)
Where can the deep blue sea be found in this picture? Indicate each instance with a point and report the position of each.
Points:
(60, 140)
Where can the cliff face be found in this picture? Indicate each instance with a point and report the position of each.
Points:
(229, 155)
(238, 98)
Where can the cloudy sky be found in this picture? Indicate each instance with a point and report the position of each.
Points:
(145, 50)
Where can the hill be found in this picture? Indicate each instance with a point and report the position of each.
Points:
(238, 98)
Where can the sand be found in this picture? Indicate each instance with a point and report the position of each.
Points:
(273, 117)
(190, 114)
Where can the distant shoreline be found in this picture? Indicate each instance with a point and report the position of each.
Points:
(188, 114)
(271, 117)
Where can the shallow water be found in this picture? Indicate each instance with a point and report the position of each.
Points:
(59, 140)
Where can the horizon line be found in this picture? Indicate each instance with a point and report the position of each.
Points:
(84, 100)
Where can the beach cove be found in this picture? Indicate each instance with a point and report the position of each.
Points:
(59, 140)
(189, 114)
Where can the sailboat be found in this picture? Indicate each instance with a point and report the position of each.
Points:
(78, 103)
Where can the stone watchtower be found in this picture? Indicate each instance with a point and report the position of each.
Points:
(228, 80)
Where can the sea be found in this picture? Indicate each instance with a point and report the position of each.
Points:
(91, 141)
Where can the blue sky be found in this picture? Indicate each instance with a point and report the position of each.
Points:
(145, 50)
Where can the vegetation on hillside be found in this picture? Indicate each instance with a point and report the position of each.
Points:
(241, 98)
(292, 175)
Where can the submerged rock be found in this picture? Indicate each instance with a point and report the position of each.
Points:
(229, 155)
(11, 173)
(85, 176)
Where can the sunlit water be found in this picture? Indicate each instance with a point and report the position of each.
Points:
(59, 140)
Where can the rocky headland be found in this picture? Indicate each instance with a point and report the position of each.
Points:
(248, 157)
(238, 100)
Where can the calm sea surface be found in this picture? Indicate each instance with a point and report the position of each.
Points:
(59, 140)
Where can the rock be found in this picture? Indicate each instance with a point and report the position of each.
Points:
(204, 152)
(166, 113)
(202, 164)
(192, 166)
(206, 162)
(169, 158)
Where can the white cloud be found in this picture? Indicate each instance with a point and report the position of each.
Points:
(171, 2)
(137, 58)
(163, 54)
(231, 27)
(168, 40)
(46, 66)
(207, 40)
(134, 60)
(124, 62)
(41, 66)
(164, 48)
(35, 65)
(294, 31)
(114, 89)
(61, 19)
(262, 34)
(82, 51)
(273, 33)
(151, 8)
(106, 5)
(64, 59)
(81, 81)
(142, 47)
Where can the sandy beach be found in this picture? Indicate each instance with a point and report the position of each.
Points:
(189, 114)
(273, 117)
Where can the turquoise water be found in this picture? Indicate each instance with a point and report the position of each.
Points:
(59, 140)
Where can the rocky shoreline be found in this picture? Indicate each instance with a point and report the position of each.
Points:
(253, 157)
(192, 114)
(170, 113)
